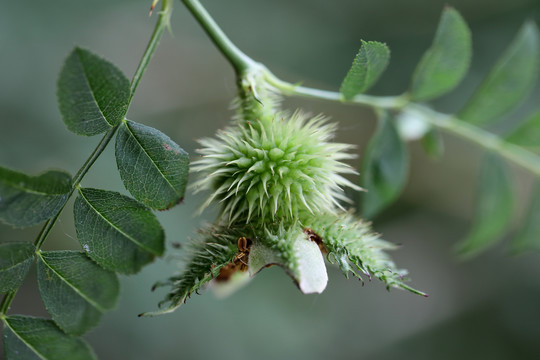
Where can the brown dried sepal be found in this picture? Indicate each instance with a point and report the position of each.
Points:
(239, 263)
(313, 236)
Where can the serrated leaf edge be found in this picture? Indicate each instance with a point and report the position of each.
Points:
(126, 124)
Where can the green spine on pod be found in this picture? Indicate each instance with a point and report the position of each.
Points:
(272, 164)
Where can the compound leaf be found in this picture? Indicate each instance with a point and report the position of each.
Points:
(75, 290)
(30, 338)
(154, 168)
(385, 168)
(116, 231)
(446, 62)
(509, 82)
(494, 207)
(93, 94)
(28, 200)
(368, 65)
(15, 261)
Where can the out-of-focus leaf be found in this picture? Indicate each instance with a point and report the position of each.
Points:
(116, 231)
(75, 290)
(368, 65)
(493, 209)
(509, 82)
(93, 94)
(153, 168)
(433, 144)
(15, 261)
(529, 236)
(528, 134)
(28, 200)
(384, 169)
(446, 62)
(29, 338)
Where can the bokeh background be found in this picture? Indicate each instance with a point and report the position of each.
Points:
(485, 308)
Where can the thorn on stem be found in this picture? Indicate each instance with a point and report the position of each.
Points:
(152, 7)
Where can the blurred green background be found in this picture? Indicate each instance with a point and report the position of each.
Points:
(484, 308)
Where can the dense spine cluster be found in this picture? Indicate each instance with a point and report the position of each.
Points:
(270, 165)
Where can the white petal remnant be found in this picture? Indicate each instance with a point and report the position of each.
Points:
(300, 257)
(311, 273)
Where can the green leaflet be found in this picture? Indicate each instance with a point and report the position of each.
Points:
(29, 338)
(528, 238)
(28, 200)
(528, 134)
(75, 290)
(93, 95)
(15, 261)
(153, 168)
(494, 207)
(446, 62)
(384, 169)
(368, 65)
(509, 82)
(116, 231)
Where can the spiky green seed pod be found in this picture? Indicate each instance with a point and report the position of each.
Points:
(278, 179)
(274, 168)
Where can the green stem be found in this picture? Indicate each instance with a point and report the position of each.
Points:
(75, 182)
(240, 61)
(491, 142)
(243, 63)
(379, 102)
(162, 23)
(6, 301)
